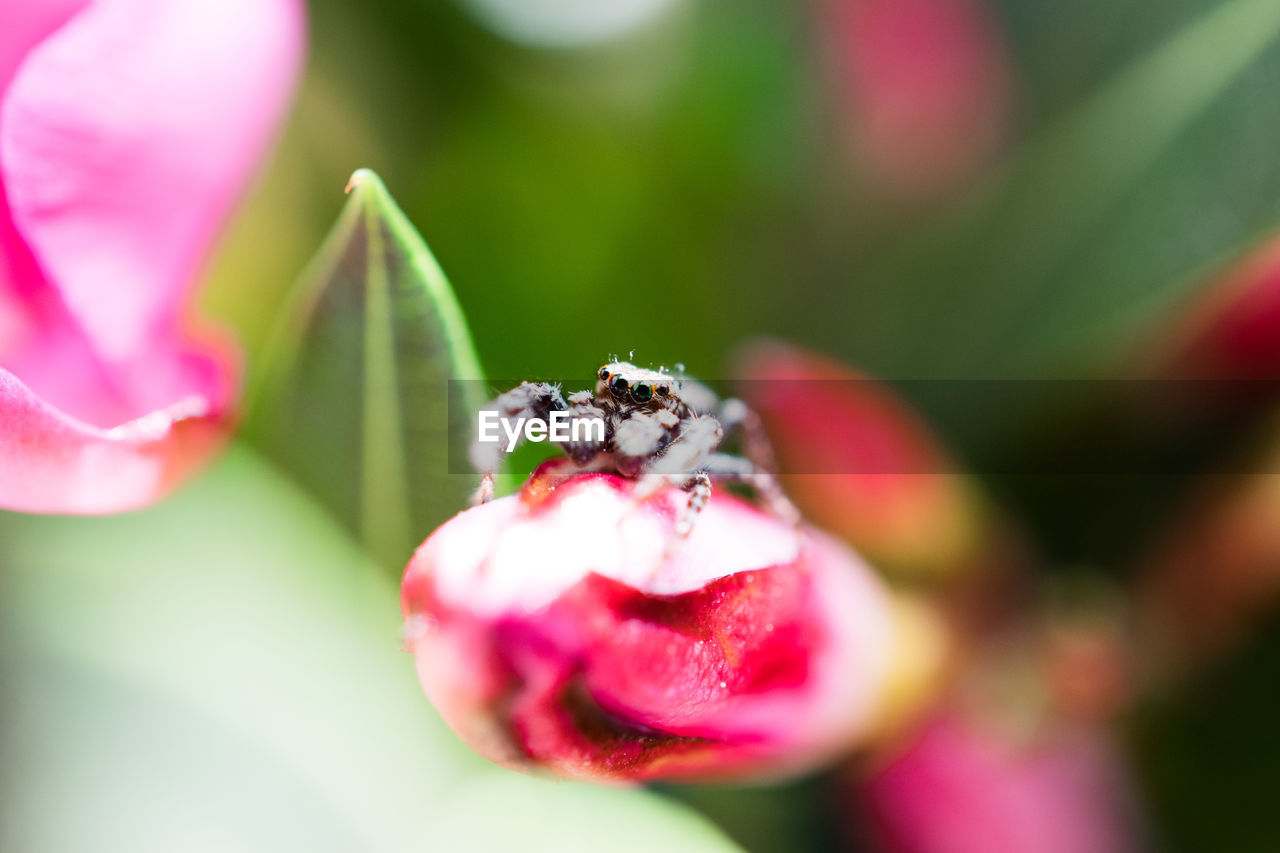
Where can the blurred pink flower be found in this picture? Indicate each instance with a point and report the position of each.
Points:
(127, 130)
(924, 87)
(961, 787)
(581, 636)
(889, 477)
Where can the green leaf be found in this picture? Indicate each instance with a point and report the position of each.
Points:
(585, 817)
(216, 673)
(1110, 214)
(355, 401)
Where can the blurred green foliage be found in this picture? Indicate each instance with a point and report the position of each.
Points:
(676, 193)
(668, 195)
(1209, 758)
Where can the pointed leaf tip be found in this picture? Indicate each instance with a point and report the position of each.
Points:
(354, 403)
(360, 177)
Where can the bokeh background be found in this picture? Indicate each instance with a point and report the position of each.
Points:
(943, 190)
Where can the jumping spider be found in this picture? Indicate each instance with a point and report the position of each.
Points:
(663, 427)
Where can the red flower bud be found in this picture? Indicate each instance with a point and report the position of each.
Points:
(582, 635)
(890, 477)
(1231, 328)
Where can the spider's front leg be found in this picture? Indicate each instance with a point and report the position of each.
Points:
(691, 462)
(723, 466)
(585, 445)
(527, 400)
(639, 438)
(740, 419)
(684, 463)
(699, 488)
(762, 475)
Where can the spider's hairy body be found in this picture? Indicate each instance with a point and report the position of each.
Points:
(659, 426)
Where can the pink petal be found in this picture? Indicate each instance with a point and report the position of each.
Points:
(125, 136)
(26, 23)
(127, 129)
(51, 462)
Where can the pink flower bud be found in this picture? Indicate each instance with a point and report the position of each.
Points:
(890, 478)
(582, 635)
(924, 86)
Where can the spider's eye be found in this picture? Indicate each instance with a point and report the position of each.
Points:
(603, 374)
(663, 390)
(618, 386)
(642, 393)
